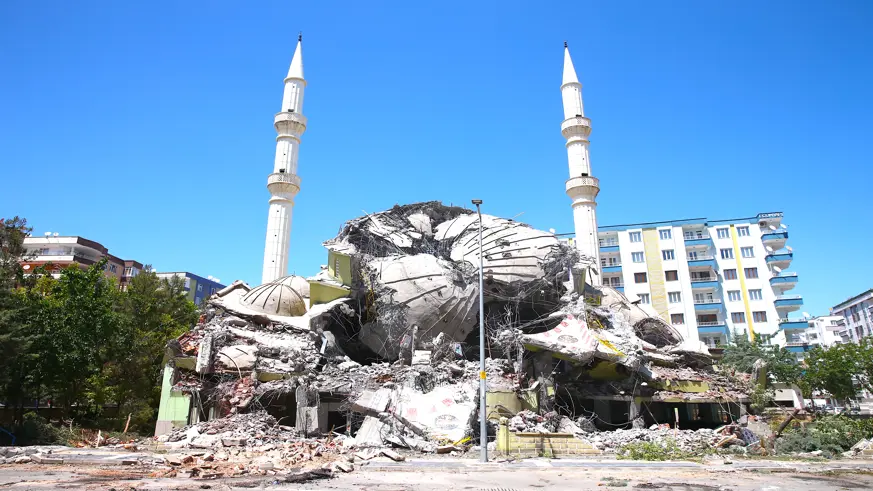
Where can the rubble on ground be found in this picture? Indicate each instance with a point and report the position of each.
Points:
(387, 334)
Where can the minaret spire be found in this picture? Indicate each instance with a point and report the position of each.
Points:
(582, 187)
(284, 183)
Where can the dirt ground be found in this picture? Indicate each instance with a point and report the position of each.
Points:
(54, 477)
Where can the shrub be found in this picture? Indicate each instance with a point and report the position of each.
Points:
(830, 434)
(36, 430)
(663, 450)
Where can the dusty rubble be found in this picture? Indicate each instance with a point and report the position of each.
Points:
(396, 348)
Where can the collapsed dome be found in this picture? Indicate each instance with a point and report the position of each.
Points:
(285, 296)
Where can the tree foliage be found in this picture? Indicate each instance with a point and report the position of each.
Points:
(841, 369)
(781, 364)
(79, 343)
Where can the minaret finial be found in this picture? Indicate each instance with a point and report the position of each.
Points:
(565, 44)
(300, 37)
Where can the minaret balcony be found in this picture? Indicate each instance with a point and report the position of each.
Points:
(282, 182)
(290, 123)
(583, 187)
(576, 126)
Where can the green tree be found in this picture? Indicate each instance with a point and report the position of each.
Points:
(781, 364)
(80, 329)
(156, 311)
(15, 336)
(841, 369)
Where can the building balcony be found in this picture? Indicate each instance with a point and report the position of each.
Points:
(614, 282)
(608, 245)
(784, 281)
(697, 239)
(704, 281)
(708, 304)
(775, 239)
(788, 324)
(788, 303)
(701, 261)
(720, 328)
(780, 259)
(610, 268)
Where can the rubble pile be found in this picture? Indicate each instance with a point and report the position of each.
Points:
(250, 429)
(695, 441)
(386, 336)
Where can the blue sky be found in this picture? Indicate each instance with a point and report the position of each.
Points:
(147, 126)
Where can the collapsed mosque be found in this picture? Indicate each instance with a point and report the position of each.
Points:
(381, 344)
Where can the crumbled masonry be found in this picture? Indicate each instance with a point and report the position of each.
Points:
(380, 349)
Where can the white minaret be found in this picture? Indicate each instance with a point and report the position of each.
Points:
(283, 183)
(582, 188)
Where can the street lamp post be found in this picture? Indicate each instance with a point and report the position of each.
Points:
(483, 425)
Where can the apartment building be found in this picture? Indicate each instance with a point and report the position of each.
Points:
(856, 316)
(824, 331)
(712, 279)
(197, 288)
(60, 252)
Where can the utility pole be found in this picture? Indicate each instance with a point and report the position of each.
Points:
(483, 424)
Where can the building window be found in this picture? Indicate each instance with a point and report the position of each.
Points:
(677, 319)
(743, 231)
(644, 298)
(639, 277)
(747, 251)
(734, 296)
(674, 297)
(738, 317)
(755, 295)
(636, 236)
(730, 274)
(727, 253)
(751, 272)
(637, 257)
(759, 316)
(671, 275)
(665, 234)
(723, 233)
(667, 254)
(196, 300)
(128, 271)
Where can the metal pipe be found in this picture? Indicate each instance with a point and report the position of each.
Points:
(483, 424)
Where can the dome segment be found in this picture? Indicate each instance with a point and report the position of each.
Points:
(286, 296)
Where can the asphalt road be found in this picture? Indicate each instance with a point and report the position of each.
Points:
(38, 478)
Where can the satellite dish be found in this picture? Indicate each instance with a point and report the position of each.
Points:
(806, 314)
(551, 231)
(777, 269)
(772, 227)
(784, 227)
(55, 234)
(789, 249)
(769, 249)
(48, 234)
(25, 267)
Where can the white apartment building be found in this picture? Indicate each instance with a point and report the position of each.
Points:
(821, 331)
(856, 317)
(712, 279)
